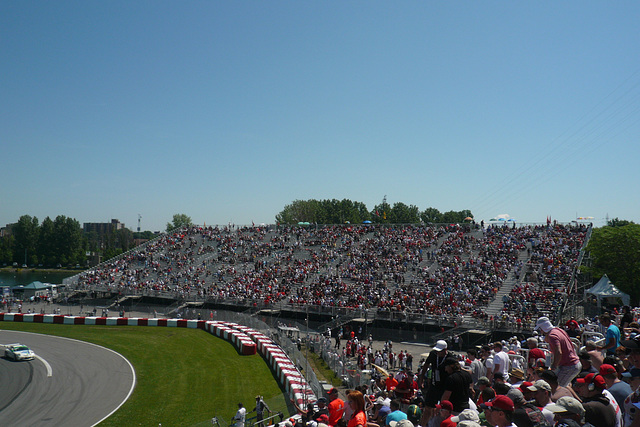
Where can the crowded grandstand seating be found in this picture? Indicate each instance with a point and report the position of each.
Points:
(448, 271)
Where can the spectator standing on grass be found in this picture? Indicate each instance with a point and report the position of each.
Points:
(261, 407)
(240, 416)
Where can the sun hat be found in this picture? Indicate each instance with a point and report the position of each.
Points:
(567, 404)
(517, 373)
(401, 423)
(466, 415)
(539, 385)
(544, 324)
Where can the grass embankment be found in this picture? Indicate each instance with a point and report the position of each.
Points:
(321, 369)
(185, 376)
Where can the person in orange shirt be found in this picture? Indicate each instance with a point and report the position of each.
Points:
(336, 407)
(390, 383)
(355, 400)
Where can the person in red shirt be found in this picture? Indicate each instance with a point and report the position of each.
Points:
(336, 407)
(446, 412)
(535, 353)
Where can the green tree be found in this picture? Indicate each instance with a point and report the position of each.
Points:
(69, 240)
(179, 221)
(6, 249)
(25, 234)
(615, 251)
(144, 235)
(431, 215)
(363, 212)
(47, 252)
(299, 211)
(381, 213)
(403, 214)
(615, 222)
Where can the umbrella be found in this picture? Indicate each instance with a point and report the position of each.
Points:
(366, 222)
(468, 218)
(424, 355)
(380, 369)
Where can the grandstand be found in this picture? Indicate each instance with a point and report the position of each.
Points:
(444, 275)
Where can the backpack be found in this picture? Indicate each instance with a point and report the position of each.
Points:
(536, 416)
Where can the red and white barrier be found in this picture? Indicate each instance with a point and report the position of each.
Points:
(246, 340)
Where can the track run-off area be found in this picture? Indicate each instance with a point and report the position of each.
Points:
(69, 382)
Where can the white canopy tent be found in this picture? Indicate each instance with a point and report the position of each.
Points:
(605, 289)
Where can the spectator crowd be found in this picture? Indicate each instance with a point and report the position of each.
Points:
(451, 271)
(582, 373)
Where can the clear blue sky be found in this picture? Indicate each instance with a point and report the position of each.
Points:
(228, 111)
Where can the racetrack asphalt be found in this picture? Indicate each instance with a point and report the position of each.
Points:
(86, 384)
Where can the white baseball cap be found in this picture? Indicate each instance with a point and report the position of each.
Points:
(440, 345)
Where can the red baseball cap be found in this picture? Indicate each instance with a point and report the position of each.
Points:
(594, 379)
(607, 369)
(445, 404)
(524, 385)
(500, 403)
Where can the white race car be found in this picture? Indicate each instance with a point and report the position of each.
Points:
(18, 352)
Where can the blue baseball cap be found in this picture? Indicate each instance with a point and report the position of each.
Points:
(633, 373)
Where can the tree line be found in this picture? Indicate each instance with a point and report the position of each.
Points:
(61, 242)
(342, 211)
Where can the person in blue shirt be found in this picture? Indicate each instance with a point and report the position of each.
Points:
(612, 337)
(396, 414)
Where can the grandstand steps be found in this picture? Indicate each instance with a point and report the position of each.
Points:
(495, 307)
(122, 300)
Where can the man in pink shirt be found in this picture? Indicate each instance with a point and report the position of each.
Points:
(565, 362)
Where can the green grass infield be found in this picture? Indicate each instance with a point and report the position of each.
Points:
(184, 376)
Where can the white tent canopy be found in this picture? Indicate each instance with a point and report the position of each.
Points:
(606, 289)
